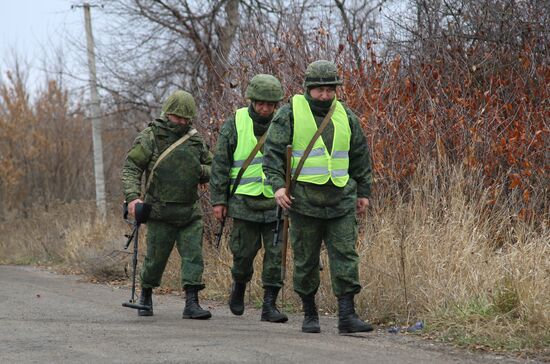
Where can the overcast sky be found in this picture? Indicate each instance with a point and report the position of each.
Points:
(27, 24)
(34, 28)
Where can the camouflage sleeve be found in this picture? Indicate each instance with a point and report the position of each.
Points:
(223, 160)
(279, 135)
(136, 163)
(206, 163)
(360, 164)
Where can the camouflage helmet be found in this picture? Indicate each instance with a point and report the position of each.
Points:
(264, 87)
(320, 73)
(180, 103)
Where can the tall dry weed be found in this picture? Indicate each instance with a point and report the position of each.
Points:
(446, 253)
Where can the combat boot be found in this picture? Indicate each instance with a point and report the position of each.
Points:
(348, 321)
(146, 299)
(270, 312)
(311, 316)
(236, 301)
(192, 309)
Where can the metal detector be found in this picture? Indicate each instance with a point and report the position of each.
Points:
(142, 212)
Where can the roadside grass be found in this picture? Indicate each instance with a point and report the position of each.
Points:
(69, 237)
(450, 254)
(479, 324)
(447, 252)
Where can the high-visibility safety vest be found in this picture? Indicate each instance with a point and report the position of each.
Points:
(320, 166)
(253, 180)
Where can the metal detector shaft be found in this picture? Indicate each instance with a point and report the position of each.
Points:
(132, 302)
(141, 214)
(134, 262)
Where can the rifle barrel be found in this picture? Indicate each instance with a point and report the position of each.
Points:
(276, 232)
(288, 186)
(220, 234)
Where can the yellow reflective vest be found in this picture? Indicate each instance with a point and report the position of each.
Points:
(253, 179)
(320, 166)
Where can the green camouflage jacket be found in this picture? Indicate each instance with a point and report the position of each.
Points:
(322, 201)
(173, 190)
(250, 208)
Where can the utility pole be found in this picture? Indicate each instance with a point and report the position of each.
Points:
(96, 119)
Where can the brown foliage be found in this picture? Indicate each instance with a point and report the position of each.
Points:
(44, 146)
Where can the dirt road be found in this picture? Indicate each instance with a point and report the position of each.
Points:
(50, 318)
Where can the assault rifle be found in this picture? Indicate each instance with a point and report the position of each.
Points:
(142, 211)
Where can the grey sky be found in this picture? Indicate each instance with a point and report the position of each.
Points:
(29, 25)
(33, 29)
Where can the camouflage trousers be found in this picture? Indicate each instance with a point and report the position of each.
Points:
(161, 237)
(246, 240)
(339, 234)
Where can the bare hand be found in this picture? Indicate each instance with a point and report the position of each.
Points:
(220, 211)
(362, 204)
(132, 206)
(282, 198)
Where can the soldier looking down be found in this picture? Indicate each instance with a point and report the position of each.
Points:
(249, 200)
(171, 190)
(334, 182)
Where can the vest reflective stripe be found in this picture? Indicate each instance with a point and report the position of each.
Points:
(252, 182)
(245, 181)
(257, 160)
(312, 171)
(340, 154)
(320, 166)
(317, 152)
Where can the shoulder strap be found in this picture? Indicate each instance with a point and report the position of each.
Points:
(247, 162)
(309, 147)
(169, 150)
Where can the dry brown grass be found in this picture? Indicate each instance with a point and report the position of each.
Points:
(473, 271)
(68, 234)
(443, 253)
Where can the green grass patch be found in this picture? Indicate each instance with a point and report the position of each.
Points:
(488, 323)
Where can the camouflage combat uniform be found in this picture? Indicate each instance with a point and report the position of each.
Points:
(253, 216)
(321, 212)
(176, 216)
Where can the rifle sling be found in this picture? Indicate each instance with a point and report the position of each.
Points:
(247, 162)
(167, 151)
(309, 147)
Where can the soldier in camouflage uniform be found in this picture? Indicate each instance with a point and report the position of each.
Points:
(172, 192)
(252, 207)
(334, 183)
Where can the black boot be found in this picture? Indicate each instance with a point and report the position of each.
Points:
(311, 316)
(269, 308)
(236, 301)
(146, 299)
(348, 321)
(192, 309)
